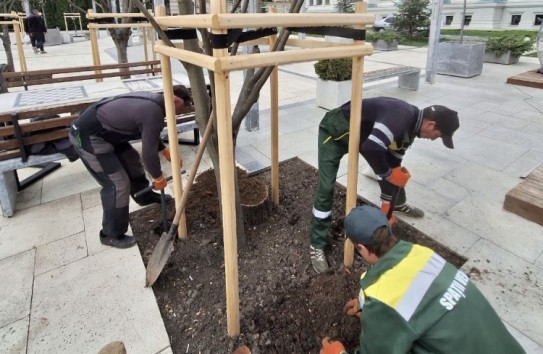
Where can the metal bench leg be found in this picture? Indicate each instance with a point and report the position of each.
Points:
(8, 192)
(196, 140)
(409, 81)
(46, 168)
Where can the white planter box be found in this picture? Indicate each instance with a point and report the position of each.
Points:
(506, 58)
(332, 94)
(384, 46)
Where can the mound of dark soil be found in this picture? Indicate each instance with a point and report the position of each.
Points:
(285, 307)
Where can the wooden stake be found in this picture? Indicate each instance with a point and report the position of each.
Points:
(95, 54)
(274, 106)
(19, 39)
(167, 87)
(228, 202)
(354, 141)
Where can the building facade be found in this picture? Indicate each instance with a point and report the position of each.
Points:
(480, 14)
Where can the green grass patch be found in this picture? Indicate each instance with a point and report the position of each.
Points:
(487, 33)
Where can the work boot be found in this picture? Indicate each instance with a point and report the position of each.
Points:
(318, 260)
(123, 241)
(150, 198)
(409, 210)
(36, 51)
(43, 52)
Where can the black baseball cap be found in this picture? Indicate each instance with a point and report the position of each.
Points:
(446, 121)
(361, 223)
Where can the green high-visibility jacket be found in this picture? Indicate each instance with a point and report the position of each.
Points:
(413, 301)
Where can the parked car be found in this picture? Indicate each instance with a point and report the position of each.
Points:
(383, 24)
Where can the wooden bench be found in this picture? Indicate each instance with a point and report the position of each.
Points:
(76, 74)
(526, 199)
(17, 134)
(408, 76)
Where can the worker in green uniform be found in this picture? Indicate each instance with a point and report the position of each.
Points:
(413, 301)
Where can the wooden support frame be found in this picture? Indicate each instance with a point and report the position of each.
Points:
(72, 15)
(18, 29)
(221, 64)
(93, 27)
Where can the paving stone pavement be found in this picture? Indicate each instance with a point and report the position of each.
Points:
(61, 291)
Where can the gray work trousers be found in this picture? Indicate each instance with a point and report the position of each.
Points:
(118, 169)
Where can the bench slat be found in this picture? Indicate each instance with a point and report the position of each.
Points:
(77, 69)
(48, 76)
(89, 77)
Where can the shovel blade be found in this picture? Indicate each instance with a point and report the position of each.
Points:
(159, 258)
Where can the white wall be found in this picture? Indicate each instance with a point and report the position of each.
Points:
(484, 15)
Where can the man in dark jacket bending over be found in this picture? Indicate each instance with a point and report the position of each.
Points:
(101, 136)
(389, 127)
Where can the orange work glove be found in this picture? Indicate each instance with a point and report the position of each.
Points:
(385, 207)
(399, 176)
(167, 155)
(351, 307)
(160, 183)
(334, 347)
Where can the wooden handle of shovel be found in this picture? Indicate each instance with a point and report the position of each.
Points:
(182, 203)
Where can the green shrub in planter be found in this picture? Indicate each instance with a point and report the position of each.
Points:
(387, 36)
(516, 44)
(334, 69)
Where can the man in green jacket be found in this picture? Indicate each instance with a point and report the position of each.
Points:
(413, 301)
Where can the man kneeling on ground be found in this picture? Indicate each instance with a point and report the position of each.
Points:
(413, 301)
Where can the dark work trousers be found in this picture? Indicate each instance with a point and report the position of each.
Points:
(37, 39)
(332, 146)
(118, 169)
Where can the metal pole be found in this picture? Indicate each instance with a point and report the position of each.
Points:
(433, 41)
(26, 7)
(463, 23)
(252, 117)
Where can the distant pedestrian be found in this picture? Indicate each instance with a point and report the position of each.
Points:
(36, 30)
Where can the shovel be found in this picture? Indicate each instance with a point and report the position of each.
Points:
(164, 247)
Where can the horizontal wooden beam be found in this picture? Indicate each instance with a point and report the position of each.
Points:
(93, 15)
(312, 43)
(253, 20)
(292, 56)
(201, 60)
(118, 25)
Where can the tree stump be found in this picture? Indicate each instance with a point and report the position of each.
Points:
(255, 201)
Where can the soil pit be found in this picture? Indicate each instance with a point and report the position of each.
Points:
(285, 307)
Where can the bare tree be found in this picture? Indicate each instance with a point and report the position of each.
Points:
(253, 83)
(6, 6)
(120, 36)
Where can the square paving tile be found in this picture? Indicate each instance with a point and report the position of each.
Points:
(84, 305)
(512, 285)
(490, 221)
(40, 225)
(13, 337)
(16, 275)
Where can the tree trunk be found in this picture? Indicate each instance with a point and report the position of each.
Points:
(120, 37)
(6, 41)
(252, 85)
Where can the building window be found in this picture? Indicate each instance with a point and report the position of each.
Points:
(319, 2)
(538, 19)
(310, 2)
(448, 20)
(326, 2)
(515, 20)
(467, 20)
